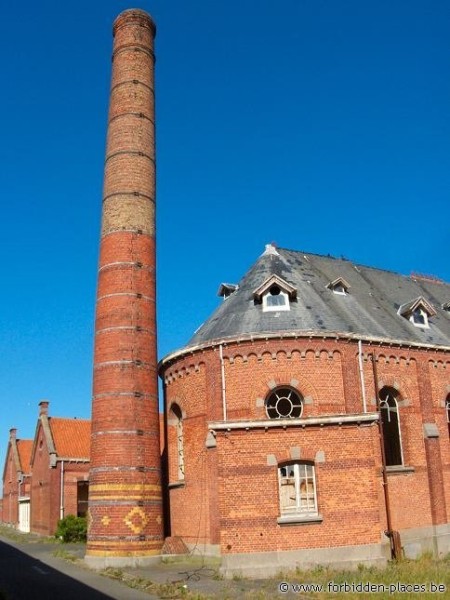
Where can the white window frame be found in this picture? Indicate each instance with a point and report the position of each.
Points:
(447, 412)
(424, 314)
(276, 308)
(176, 421)
(284, 393)
(339, 289)
(180, 448)
(299, 474)
(384, 402)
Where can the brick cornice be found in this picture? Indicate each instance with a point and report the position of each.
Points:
(295, 335)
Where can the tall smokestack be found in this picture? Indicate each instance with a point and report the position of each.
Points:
(125, 504)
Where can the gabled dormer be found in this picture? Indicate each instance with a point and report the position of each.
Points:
(417, 311)
(226, 289)
(275, 294)
(339, 286)
(446, 306)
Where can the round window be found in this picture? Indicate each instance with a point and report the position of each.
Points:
(284, 403)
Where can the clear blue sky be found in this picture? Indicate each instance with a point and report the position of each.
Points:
(319, 125)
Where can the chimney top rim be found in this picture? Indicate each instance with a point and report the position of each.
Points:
(133, 14)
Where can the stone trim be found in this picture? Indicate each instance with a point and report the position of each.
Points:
(299, 519)
(366, 418)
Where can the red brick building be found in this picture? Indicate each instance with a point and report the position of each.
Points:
(60, 470)
(16, 483)
(275, 408)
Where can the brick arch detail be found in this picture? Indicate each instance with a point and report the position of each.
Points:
(284, 455)
(183, 371)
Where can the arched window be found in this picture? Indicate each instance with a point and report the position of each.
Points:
(284, 403)
(390, 419)
(447, 412)
(176, 421)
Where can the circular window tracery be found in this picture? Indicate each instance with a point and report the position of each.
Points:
(284, 403)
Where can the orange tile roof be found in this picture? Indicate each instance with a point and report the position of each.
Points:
(24, 448)
(72, 437)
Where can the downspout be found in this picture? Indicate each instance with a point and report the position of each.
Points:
(61, 494)
(390, 533)
(361, 376)
(222, 375)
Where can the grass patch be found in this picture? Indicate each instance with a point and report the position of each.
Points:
(410, 578)
(65, 555)
(25, 538)
(174, 591)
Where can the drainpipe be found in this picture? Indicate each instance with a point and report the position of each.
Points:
(390, 533)
(361, 376)
(61, 494)
(222, 374)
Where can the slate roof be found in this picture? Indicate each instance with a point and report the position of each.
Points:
(370, 309)
(72, 437)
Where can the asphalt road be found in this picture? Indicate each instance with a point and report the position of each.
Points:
(31, 572)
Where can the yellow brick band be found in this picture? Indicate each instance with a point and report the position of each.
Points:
(127, 497)
(123, 487)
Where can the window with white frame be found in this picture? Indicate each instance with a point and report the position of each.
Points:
(284, 403)
(390, 418)
(339, 289)
(297, 486)
(419, 317)
(176, 421)
(275, 299)
(447, 412)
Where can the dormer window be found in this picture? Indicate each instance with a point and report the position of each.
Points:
(339, 286)
(275, 299)
(419, 317)
(418, 312)
(275, 294)
(446, 306)
(226, 289)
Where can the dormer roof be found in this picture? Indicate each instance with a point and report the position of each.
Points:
(274, 280)
(408, 308)
(338, 282)
(226, 289)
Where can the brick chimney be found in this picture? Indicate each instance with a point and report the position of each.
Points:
(125, 503)
(43, 408)
(12, 434)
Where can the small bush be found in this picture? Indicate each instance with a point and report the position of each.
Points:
(72, 529)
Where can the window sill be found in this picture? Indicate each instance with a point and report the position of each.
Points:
(399, 469)
(299, 519)
(176, 484)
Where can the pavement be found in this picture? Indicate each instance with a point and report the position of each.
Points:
(190, 577)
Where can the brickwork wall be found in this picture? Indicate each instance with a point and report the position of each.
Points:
(189, 498)
(10, 491)
(346, 484)
(125, 496)
(43, 504)
(243, 490)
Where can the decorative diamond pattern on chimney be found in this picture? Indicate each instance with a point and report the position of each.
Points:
(125, 500)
